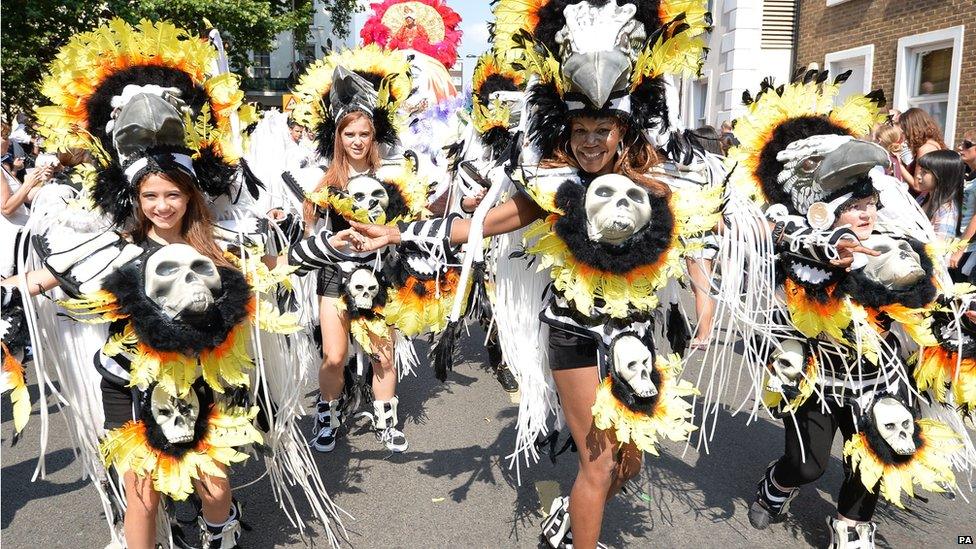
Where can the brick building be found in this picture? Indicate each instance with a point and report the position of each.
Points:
(921, 53)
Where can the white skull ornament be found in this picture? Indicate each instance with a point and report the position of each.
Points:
(632, 362)
(178, 279)
(363, 286)
(368, 194)
(176, 417)
(788, 360)
(895, 424)
(616, 208)
(898, 265)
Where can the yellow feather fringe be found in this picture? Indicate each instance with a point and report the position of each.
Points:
(127, 449)
(671, 418)
(929, 468)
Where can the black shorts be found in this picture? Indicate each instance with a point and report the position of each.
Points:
(118, 404)
(568, 351)
(329, 280)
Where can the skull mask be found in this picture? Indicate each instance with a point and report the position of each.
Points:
(177, 417)
(179, 279)
(616, 208)
(898, 265)
(368, 194)
(895, 424)
(363, 286)
(632, 362)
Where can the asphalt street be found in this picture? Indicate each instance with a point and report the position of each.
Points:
(454, 488)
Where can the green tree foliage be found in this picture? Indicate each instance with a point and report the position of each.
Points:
(34, 30)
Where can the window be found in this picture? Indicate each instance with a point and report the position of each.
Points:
(860, 61)
(927, 75)
(694, 101)
(308, 54)
(699, 96)
(929, 87)
(262, 64)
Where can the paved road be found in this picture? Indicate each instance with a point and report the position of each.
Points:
(454, 489)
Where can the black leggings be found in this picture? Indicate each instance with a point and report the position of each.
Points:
(817, 429)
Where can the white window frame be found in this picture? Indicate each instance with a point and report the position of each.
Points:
(867, 52)
(905, 70)
(688, 108)
(835, 2)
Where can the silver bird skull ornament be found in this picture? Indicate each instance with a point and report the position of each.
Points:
(898, 265)
(368, 194)
(363, 286)
(616, 208)
(633, 364)
(179, 278)
(176, 417)
(895, 424)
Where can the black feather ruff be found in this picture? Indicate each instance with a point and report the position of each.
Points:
(397, 205)
(154, 433)
(498, 140)
(792, 130)
(643, 248)
(649, 105)
(871, 293)
(492, 84)
(550, 118)
(188, 335)
(113, 194)
(214, 176)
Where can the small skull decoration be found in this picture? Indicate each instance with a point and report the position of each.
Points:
(895, 424)
(176, 417)
(633, 364)
(368, 194)
(788, 361)
(898, 266)
(363, 287)
(179, 279)
(616, 208)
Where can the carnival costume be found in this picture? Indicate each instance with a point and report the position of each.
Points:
(198, 365)
(822, 341)
(394, 293)
(588, 275)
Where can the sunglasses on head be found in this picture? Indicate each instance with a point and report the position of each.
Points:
(966, 145)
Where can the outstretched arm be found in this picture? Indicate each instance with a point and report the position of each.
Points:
(514, 213)
(38, 281)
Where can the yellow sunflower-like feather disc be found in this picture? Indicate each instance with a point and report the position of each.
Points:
(671, 418)
(929, 468)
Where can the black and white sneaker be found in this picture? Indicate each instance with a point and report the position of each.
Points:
(555, 528)
(385, 421)
(771, 503)
(845, 535)
(328, 420)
